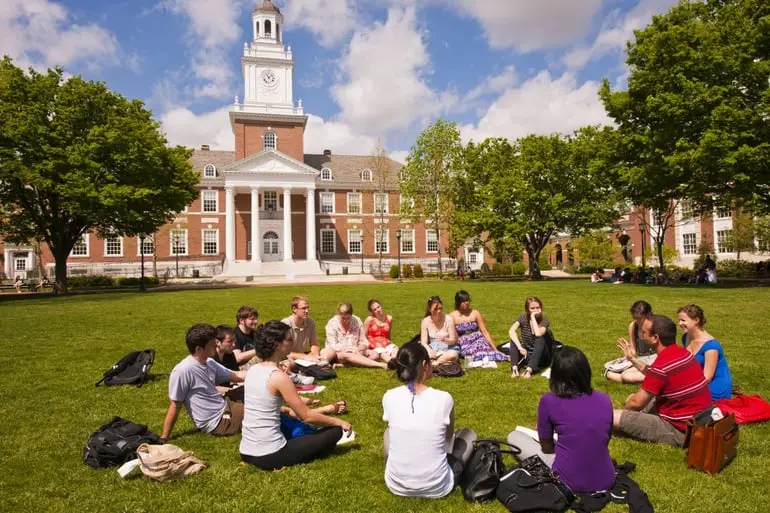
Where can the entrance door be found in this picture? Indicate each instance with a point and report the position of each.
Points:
(271, 246)
(20, 267)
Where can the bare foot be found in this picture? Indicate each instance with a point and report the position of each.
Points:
(338, 408)
(527, 374)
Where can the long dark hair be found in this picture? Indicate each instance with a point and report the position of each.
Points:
(268, 336)
(432, 301)
(460, 297)
(570, 373)
(641, 309)
(409, 363)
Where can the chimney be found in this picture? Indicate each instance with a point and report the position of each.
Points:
(204, 147)
(327, 153)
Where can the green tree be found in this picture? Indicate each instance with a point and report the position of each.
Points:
(595, 248)
(428, 179)
(76, 157)
(762, 232)
(536, 187)
(742, 235)
(653, 255)
(693, 122)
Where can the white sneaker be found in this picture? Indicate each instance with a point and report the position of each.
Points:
(299, 379)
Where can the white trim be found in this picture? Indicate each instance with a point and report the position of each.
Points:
(203, 241)
(387, 202)
(360, 241)
(216, 201)
(206, 168)
(414, 242)
(86, 238)
(108, 255)
(321, 196)
(364, 174)
(171, 242)
(324, 172)
(428, 250)
(386, 241)
(149, 237)
(334, 241)
(360, 202)
(694, 246)
(718, 245)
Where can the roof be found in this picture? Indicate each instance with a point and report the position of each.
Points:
(267, 5)
(346, 170)
(201, 158)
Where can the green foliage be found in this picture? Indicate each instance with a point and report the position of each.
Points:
(736, 269)
(544, 264)
(762, 231)
(135, 282)
(393, 271)
(485, 268)
(704, 249)
(75, 157)
(91, 281)
(497, 269)
(595, 248)
(742, 235)
(652, 255)
(571, 269)
(418, 271)
(518, 268)
(406, 271)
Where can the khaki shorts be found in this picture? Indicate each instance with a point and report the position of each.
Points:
(649, 428)
(231, 420)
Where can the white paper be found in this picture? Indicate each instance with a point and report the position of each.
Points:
(128, 467)
(316, 390)
(304, 363)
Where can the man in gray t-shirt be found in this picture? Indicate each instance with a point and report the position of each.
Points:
(193, 383)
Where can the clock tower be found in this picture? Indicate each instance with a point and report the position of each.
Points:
(267, 118)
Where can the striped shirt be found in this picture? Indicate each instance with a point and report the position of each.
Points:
(677, 381)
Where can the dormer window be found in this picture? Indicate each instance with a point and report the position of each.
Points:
(326, 174)
(209, 171)
(366, 175)
(270, 141)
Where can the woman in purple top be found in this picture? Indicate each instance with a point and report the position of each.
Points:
(574, 425)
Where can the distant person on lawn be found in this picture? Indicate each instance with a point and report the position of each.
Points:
(246, 321)
(674, 388)
(193, 384)
(640, 311)
(346, 341)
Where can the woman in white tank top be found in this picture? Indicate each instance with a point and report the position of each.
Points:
(266, 389)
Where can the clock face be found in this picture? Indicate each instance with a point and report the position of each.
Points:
(269, 78)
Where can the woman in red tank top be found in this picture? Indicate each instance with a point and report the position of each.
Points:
(377, 330)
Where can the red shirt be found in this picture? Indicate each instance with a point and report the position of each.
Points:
(677, 381)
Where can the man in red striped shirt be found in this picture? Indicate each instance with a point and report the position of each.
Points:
(674, 388)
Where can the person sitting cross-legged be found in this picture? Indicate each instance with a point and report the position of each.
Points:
(537, 342)
(438, 334)
(193, 384)
(246, 321)
(377, 328)
(303, 331)
(640, 311)
(346, 342)
(674, 388)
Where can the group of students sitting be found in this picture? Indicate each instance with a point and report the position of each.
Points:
(425, 455)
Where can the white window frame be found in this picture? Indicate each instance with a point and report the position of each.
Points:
(85, 239)
(381, 236)
(275, 140)
(209, 171)
(404, 239)
(334, 241)
(326, 174)
(686, 211)
(353, 234)
(210, 193)
(360, 202)
(203, 241)
(473, 258)
(107, 254)
(386, 209)
(720, 243)
(321, 205)
(185, 237)
(727, 211)
(273, 196)
(428, 241)
(366, 175)
(20, 265)
(689, 248)
(148, 239)
(271, 243)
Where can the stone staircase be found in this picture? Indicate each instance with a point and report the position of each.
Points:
(287, 270)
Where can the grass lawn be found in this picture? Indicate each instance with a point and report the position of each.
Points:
(56, 349)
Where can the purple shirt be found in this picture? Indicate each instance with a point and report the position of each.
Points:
(584, 426)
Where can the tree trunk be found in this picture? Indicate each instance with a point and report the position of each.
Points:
(659, 245)
(438, 241)
(60, 257)
(534, 267)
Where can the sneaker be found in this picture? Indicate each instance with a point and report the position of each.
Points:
(299, 379)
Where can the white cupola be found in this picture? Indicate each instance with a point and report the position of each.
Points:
(267, 22)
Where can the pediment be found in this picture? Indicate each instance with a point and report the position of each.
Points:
(269, 162)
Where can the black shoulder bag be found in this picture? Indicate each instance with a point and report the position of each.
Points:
(481, 475)
(532, 486)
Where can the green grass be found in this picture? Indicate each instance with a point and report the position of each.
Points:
(56, 349)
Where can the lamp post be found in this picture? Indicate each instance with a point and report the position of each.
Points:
(398, 238)
(142, 236)
(362, 251)
(176, 251)
(642, 230)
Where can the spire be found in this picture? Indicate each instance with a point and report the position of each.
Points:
(267, 5)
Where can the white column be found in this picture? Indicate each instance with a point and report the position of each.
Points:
(229, 224)
(310, 224)
(7, 265)
(287, 257)
(256, 247)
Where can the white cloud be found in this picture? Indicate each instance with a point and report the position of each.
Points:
(494, 84)
(617, 30)
(336, 136)
(528, 25)
(42, 34)
(399, 155)
(385, 71)
(541, 105)
(214, 27)
(329, 21)
(184, 127)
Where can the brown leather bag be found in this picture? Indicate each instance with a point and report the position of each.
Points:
(711, 445)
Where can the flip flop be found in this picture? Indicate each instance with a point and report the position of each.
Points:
(527, 374)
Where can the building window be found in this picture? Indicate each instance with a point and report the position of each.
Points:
(723, 241)
(210, 202)
(366, 175)
(20, 264)
(354, 203)
(270, 243)
(724, 212)
(354, 242)
(689, 244)
(210, 242)
(270, 201)
(327, 202)
(473, 258)
(113, 246)
(146, 248)
(209, 171)
(178, 241)
(380, 203)
(686, 210)
(381, 241)
(270, 141)
(326, 174)
(431, 241)
(268, 28)
(407, 241)
(328, 241)
(80, 249)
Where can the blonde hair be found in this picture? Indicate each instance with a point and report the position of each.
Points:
(296, 300)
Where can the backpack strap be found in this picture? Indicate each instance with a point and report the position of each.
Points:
(120, 366)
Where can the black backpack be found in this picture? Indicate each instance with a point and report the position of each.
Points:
(317, 372)
(532, 486)
(132, 369)
(116, 442)
(482, 474)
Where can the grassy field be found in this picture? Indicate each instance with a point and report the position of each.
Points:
(56, 349)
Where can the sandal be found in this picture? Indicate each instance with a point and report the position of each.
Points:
(515, 371)
(527, 374)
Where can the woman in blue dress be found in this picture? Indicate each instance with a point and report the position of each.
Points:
(707, 350)
(473, 338)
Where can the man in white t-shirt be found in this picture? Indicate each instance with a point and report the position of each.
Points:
(193, 384)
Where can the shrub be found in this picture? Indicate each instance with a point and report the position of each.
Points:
(134, 282)
(588, 269)
(518, 268)
(393, 273)
(506, 269)
(497, 269)
(571, 269)
(544, 264)
(736, 269)
(485, 268)
(92, 281)
(407, 271)
(418, 271)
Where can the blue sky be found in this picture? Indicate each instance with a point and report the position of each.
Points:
(366, 70)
